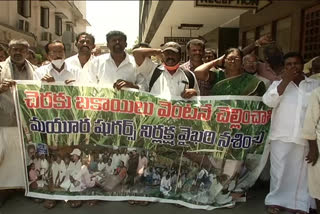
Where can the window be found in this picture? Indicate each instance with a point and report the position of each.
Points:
(24, 8)
(44, 15)
(58, 25)
(283, 34)
(311, 33)
(26, 26)
(23, 25)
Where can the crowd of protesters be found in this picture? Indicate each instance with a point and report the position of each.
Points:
(283, 80)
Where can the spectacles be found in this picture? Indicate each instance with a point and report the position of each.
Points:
(232, 59)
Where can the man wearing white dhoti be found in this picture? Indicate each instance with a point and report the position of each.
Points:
(288, 98)
(311, 132)
(165, 185)
(73, 171)
(58, 171)
(15, 67)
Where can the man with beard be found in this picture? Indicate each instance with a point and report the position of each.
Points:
(85, 43)
(116, 69)
(168, 79)
(58, 70)
(15, 67)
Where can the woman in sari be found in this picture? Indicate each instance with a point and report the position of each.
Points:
(233, 80)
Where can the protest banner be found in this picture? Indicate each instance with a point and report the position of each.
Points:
(106, 144)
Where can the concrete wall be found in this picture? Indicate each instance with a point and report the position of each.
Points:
(212, 39)
(9, 18)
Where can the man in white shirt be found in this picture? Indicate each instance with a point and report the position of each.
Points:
(288, 98)
(171, 80)
(15, 67)
(58, 70)
(85, 43)
(117, 69)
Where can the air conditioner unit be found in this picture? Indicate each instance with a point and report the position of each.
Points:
(46, 36)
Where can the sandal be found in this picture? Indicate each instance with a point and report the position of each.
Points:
(38, 200)
(273, 210)
(132, 202)
(92, 203)
(74, 204)
(49, 204)
(144, 203)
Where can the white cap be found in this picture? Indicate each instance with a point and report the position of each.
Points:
(76, 152)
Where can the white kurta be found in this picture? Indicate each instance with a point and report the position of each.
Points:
(288, 186)
(58, 171)
(311, 131)
(165, 185)
(101, 166)
(11, 168)
(72, 170)
(68, 73)
(105, 72)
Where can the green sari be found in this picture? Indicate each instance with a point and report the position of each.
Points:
(244, 84)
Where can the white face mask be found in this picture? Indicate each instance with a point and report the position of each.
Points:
(58, 63)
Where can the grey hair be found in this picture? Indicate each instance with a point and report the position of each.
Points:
(19, 42)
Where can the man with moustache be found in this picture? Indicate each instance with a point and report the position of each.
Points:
(85, 43)
(168, 79)
(58, 70)
(289, 98)
(15, 67)
(116, 69)
(209, 55)
(195, 49)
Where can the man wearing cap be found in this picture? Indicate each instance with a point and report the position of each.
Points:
(72, 170)
(15, 67)
(168, 79)
(72, 179)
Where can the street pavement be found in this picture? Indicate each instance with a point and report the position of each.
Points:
(19, 204)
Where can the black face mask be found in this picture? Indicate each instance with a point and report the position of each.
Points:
(275, 60)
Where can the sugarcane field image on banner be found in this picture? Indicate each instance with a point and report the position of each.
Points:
(91, 143)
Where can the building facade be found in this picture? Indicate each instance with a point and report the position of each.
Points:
(293, 24)
(40, 21)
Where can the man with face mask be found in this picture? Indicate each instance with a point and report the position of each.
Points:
(85, 43)
(168, 79)
(15, 67)
(58, 70)
(117, 69)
